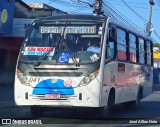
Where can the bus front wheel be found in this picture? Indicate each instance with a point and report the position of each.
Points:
(36, 111)
(105, 111)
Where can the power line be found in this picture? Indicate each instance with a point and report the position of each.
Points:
(112, 13)
(134, 11)
(158, 2)
(119, 16)
(156, 34)
(129, 2)
(72, 4)
(139, 7)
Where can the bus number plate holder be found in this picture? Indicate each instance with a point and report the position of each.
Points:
(52, 96)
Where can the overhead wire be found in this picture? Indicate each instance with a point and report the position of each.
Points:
(119, 15)
(109, 10)
(73, 5)
(129, 2)
(141, 18)
(158, 2)
(157, 35)
(134, 11)
(139, 7)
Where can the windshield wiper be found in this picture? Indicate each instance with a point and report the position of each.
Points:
(58, 47)
(45, 54)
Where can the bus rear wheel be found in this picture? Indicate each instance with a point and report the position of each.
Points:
(36, 111)
(136, 103)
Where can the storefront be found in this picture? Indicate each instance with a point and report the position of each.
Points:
(156, 70)
(7, 47)
(6, 16)
(15, 15)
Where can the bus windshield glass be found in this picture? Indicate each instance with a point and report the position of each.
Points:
(60, 42)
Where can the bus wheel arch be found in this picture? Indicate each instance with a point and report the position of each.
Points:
(140, 92)
(135, 103)
(111, 97)
(104, 111)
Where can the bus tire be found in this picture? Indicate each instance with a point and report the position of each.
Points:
(136, 103)
(105, 111)
(36, 111)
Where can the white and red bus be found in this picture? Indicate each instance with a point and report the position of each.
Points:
(55, 68)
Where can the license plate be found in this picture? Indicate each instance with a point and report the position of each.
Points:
(52, 96)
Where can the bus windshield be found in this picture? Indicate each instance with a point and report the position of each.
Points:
(83, 42)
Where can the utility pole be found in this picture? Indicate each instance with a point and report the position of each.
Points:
(149, 25)
(98, 8)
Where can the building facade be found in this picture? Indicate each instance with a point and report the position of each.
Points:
(156, 70)
(14, 16)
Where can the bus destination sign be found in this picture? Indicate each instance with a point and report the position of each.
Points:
(68, 29)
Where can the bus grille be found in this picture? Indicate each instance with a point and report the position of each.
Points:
(62, 98)
(41, 74)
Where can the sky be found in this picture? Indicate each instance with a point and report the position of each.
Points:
(137, 12)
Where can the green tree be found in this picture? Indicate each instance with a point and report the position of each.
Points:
(156, 45)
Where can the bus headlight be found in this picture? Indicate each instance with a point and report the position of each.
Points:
(22, 78)
(92, 76)
(86, 80)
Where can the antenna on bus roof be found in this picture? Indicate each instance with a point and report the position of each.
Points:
(98, 8)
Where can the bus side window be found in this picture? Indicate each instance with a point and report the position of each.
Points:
(132, 48)
(141, 51)
(149, 54)
(111, 44)
(111, 49)
(121, 44)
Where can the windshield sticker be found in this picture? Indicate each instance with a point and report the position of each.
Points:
(64, 57)
(38, 51)
(68, 29)
(94, 57)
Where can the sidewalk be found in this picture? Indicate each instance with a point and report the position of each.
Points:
(156, 87)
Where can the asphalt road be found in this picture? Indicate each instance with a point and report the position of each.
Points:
(119, 116)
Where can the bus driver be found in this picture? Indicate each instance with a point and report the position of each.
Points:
(94, 48)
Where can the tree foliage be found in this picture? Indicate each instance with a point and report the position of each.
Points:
(156, 45)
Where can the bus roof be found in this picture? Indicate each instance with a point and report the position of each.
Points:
(70, 16)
